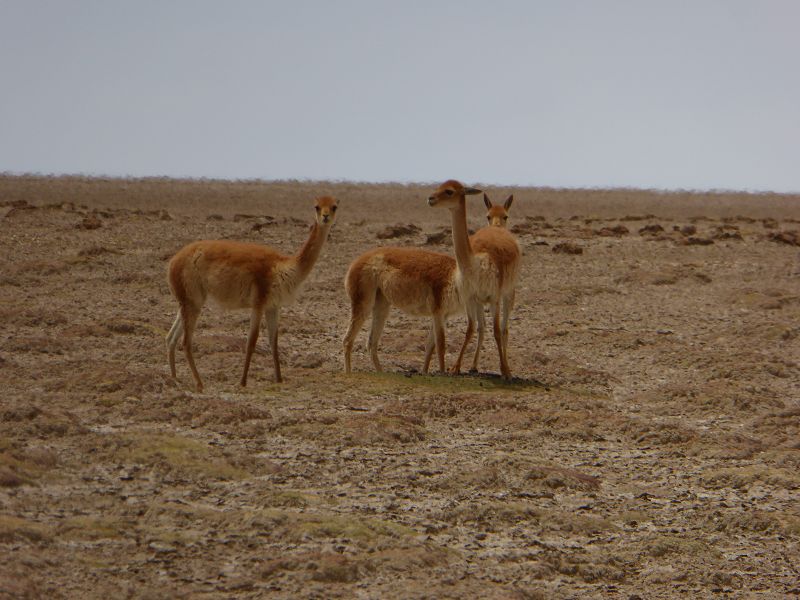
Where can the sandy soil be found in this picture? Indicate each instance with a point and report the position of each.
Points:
(649, 447)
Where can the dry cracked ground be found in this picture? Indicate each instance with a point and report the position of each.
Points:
(649, 446)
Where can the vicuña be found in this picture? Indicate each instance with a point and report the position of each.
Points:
(488, 263)
(237, 276)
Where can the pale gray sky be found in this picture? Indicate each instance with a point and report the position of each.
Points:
(671, 94)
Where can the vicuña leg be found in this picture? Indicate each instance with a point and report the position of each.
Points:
(359, 311)
(498, 339)
(252, 338)
(438, 327)
(380, 312)
(174, 335)
(456, 368)
(189, 318)
(508, 306)
(480, 325)
(272, 331)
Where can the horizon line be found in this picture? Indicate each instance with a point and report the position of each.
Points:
(407, 183)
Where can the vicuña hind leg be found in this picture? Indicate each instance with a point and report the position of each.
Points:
(498, 339)
(430, 344)
(252, 338)
(508, 306)
(359, 312)
(272, 331)
(174, 335)
(438, 326)
(189, 317)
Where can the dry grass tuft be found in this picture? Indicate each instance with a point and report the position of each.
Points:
(560, 477)
(173, 454)
(745, 476)
(15, 528)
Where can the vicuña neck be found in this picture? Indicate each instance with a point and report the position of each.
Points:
(309, 253)
(463, 249)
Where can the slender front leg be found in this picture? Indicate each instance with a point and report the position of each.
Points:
(272, 330)
(456, 368)
(252, 338)
(430, 344)
(438, 326)
(480, 321)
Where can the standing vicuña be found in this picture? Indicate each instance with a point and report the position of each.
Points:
(489, 263)
(239, 275)
(418, 282)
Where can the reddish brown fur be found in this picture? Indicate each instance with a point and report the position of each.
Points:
(417, 281)
(501, 247)
(241, 275)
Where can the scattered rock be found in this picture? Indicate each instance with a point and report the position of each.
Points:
(96, 251)
(769, 223)
(438, 238)
(522, 228)
(791, 237)
(263, 222)
(89, 222)
(10, 479)
(567, 248)
(616, 231)
(687, 230)
(395, 231)
(721, 234)
(651, 229)
(696, 241)
(215, 217)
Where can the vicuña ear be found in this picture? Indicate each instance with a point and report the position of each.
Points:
(471, 191)
(510, 199)
(486, 201)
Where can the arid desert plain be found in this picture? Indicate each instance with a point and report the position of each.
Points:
(648, 446)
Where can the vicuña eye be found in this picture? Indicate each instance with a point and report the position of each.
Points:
(333, 208)
(449, 192)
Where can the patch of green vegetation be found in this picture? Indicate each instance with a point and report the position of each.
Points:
(408, 382)
(176, 452)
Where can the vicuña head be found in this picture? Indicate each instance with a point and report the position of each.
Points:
(497, 215)
(239, 275)
(326, 210)
(450, 194)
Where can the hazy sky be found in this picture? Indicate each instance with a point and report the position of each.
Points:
(668, 94)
